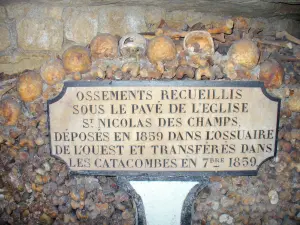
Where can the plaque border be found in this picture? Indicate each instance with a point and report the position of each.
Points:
(168, 175)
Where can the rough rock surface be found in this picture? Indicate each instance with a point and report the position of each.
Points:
(256, 8)
(22, 9)
(4, 37)
(120, 20)
(37, 34)
(80, 27)
(2, 12)
(19, 62)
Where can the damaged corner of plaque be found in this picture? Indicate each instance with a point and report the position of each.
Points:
(169, 128)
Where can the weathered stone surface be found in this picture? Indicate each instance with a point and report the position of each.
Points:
(40, 34)
(19, 10)
(205, 18)
(153, 16)
(4, 37)
(254, 8)
(2, 12)
(294, 102)
(120, 20)
(80, 27)
(291, 26)
(20, 62)
(176, 19)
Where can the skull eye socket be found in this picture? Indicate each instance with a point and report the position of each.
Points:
(128, 40)
(133, 44)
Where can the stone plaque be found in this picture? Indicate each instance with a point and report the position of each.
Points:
(163, 127)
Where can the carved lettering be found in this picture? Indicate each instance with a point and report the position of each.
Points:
(163, 128)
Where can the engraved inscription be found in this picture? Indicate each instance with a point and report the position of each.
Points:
(163, 128)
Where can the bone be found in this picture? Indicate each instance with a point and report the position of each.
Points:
(160, 67)
(10, 109)
(285, 58)
(252, 33)
(203, 72)
(235, 36)
(289, 37)
(185, 70)
(219, 37)
(30, 86)
(148, 35)
(198, 26)
(225, 28)
(150, 73)
(282, 44)
(8, 82)
(131, 68)
(6, 86)
(169, 74)
(77, 76)
(97, 72)
(241, 23)
(296, 52)
(5, 89)
(132, 45)
(164, 29)
(196, 61)
(172, 33)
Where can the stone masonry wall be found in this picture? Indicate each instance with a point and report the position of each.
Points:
(32, 33)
